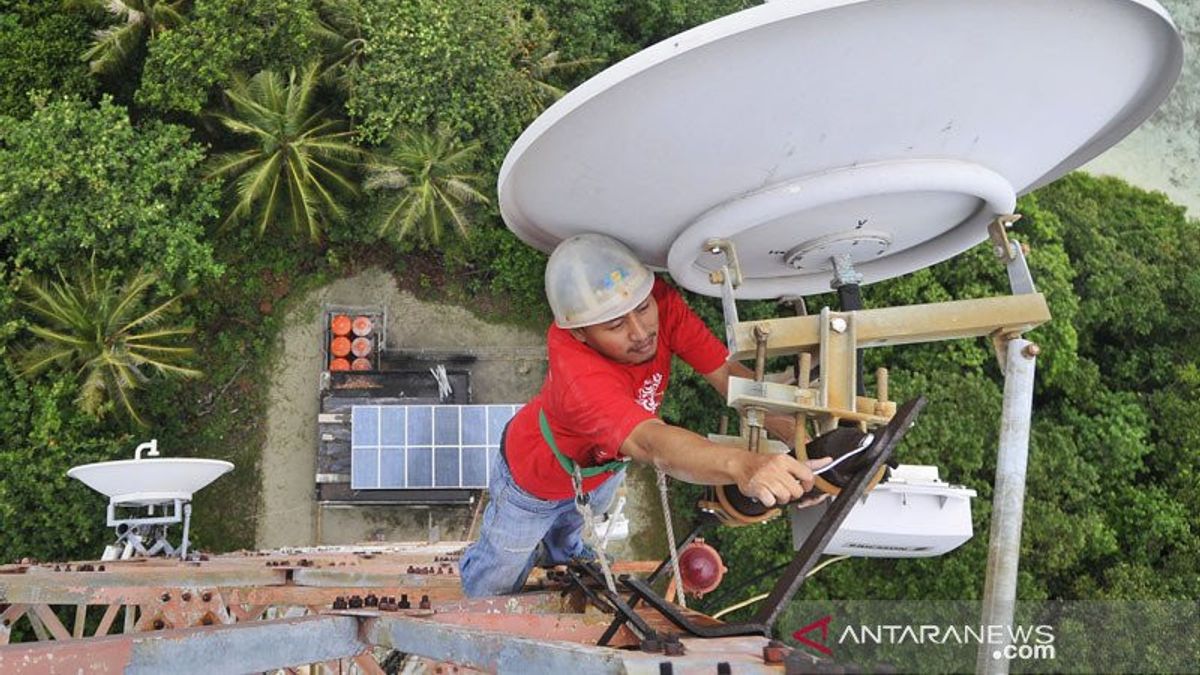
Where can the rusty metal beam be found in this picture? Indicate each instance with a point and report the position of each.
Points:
(500, 651)
(491, 650)
(43, 590)
(368, 664)
(80, 620)
(334, 638)
(106, 621)
(52, 623)
(267, 645)
(9, 617)
(1012, 314)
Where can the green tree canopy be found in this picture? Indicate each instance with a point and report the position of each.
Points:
(445, 63)
(43, 513)
(187, 66)
(39, 52)
(80, 180)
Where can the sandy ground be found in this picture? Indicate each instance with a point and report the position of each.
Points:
(1161, 154)
(510, 367)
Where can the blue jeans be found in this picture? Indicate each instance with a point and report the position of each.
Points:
(515, 523)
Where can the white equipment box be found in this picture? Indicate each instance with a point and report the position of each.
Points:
(913, 515)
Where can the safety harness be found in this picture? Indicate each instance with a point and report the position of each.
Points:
(569, 465)
(582, 502)
(584, 507)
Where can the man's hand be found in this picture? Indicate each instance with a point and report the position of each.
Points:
(776, 479)
(771, 479)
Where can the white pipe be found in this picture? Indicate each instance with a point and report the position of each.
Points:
(1008, 500)
(151, 444)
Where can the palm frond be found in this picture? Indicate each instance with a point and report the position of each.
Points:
(334, 177)
(303, 217)
(92, 392)
(272, 204)
(136, 21)
(304, 158)
(52, 336)
(134, 341)
(122, 396)
(451, 208)
(460, 188)
(130, 297)
(385, 179)
(151, 317)
(431, 170)
(41, 356)
(83, 323)
(233, 163)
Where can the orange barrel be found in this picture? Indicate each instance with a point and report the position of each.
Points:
(362, 325)
(340, 325)
(361, 346)
(340, 346)
(339, 364)
(361, 364)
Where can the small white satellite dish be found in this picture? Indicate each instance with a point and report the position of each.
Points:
(150, 481)
(149, 484)
(892, 131)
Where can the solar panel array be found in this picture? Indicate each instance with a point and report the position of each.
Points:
(424, 446)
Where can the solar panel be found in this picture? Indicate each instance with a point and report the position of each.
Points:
(424, 446)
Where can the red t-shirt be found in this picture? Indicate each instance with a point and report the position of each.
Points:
(593, 403)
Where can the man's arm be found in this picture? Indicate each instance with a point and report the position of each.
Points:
(782, 427)
(690, 457)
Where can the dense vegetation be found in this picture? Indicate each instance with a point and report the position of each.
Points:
(239, 152)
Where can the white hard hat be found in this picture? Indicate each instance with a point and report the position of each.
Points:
(591, 278)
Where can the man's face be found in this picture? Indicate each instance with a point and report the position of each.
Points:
(630, 338)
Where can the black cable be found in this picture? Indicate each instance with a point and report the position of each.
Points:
(736, 590)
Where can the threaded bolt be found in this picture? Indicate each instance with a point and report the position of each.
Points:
(774, 652)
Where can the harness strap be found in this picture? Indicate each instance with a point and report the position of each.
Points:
(569, 465)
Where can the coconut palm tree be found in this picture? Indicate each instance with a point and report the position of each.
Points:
(429, 174)
(95, 326)
(338, 31)
(299, 163)
(137, 22)
(537, 61)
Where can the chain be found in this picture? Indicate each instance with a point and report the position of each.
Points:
(666, 507)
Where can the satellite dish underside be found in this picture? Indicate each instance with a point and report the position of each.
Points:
(892, 131)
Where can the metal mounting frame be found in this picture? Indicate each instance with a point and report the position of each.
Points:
(834, 338)
(802, 562)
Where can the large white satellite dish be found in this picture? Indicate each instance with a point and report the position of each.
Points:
(892, 131)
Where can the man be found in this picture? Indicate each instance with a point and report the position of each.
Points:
(616, 329)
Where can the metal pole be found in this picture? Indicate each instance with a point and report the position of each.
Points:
(1004, 544)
